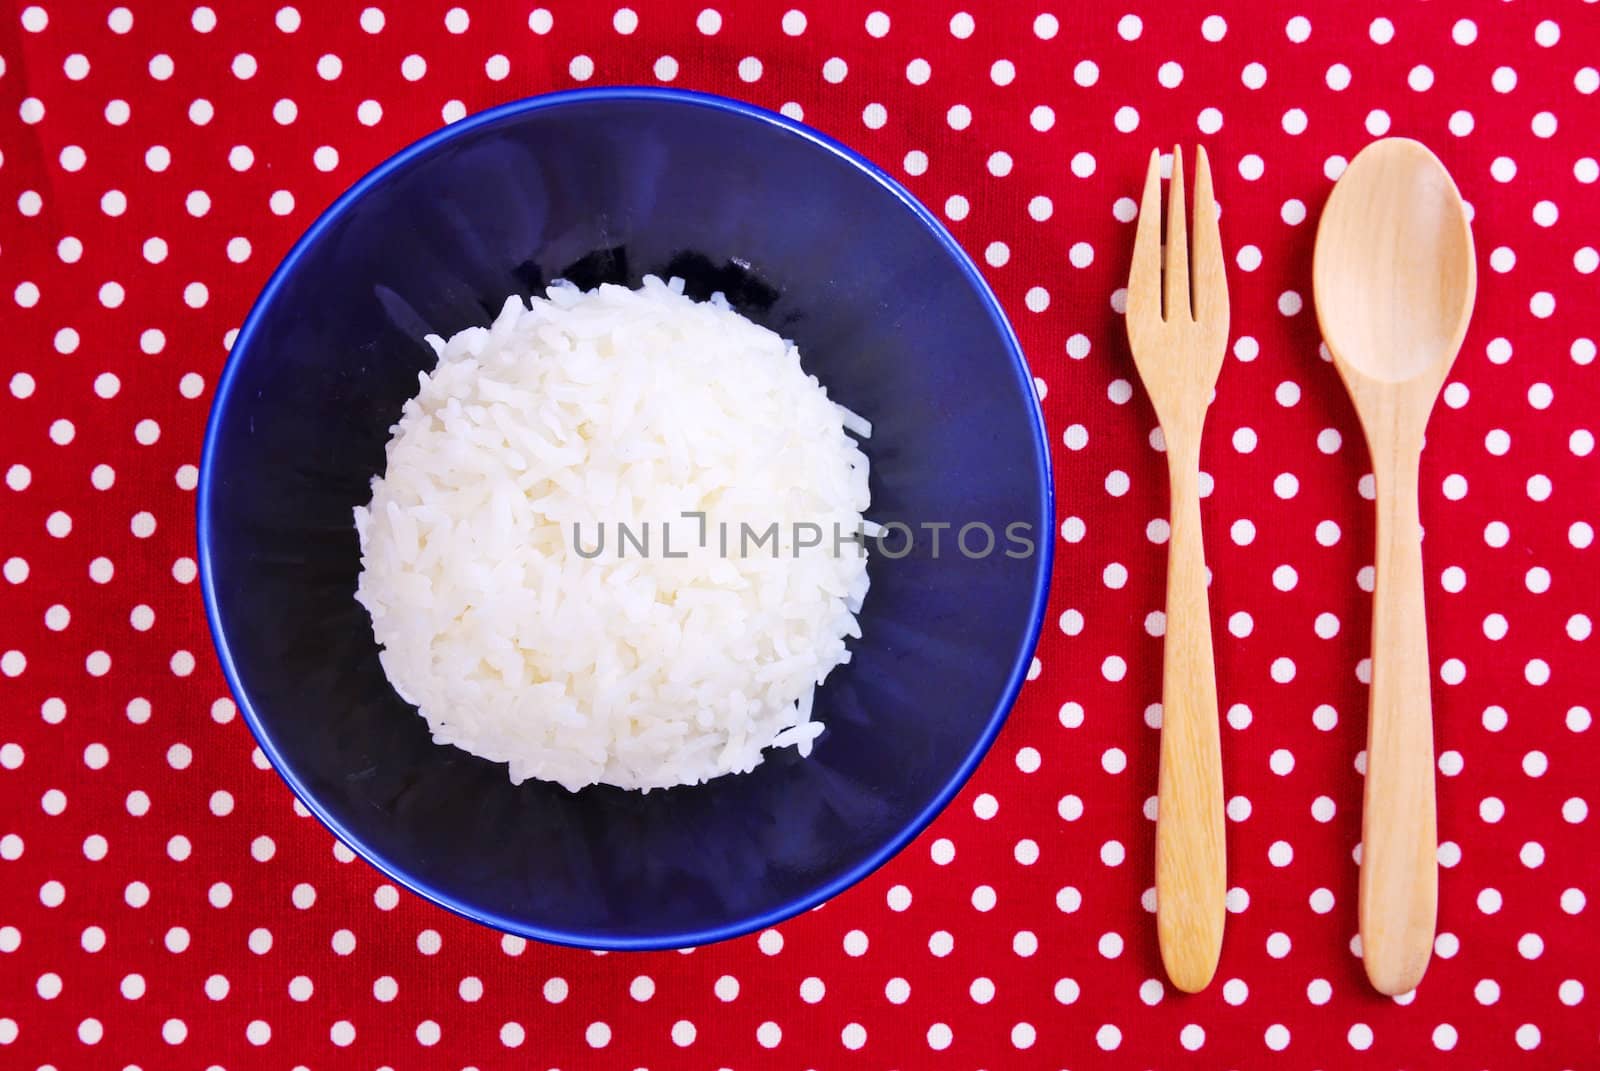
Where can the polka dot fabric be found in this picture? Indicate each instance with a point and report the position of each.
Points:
(167, 903)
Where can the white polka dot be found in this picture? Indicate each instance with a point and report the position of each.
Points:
(794, 23)
(1327, 532)
(1126, 119)
(326, 158)
(201, 112)
(1248, 260)
(1254, 76)
(244, 66)
(1294, 124)
(301, 987)
(625, 21)
(962, 25)
(262, 848)
(58, 524)
(1537, 579)
(1083, 164)
(1461, 123)
(771, 941)
(177, 938)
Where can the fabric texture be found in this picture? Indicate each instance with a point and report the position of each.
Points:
(166, 903)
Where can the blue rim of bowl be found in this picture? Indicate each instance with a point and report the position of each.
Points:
(997, 716)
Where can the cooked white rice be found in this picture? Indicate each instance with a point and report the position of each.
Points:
(590, 409)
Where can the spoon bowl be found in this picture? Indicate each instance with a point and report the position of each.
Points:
(1394, 273)
(1395, 277)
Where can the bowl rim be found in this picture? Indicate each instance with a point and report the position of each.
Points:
(1044, 558)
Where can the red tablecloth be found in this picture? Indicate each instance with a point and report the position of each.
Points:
(166, 903)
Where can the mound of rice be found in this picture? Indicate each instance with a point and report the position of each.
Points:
(533, 439)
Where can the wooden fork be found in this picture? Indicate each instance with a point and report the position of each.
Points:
(1179, 352)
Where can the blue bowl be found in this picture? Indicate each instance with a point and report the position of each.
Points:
(804, 236)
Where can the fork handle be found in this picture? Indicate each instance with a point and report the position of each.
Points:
(1191, 876)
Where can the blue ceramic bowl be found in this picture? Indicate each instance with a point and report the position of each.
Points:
(804, 236)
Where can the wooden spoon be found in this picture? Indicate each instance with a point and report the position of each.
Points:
(1395, 276)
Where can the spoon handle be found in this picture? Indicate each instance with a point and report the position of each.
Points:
(1399, 835)
(1190, 862)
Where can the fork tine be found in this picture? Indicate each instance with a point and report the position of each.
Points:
(1144, 279)
(1208, 280)
(1177, 273)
